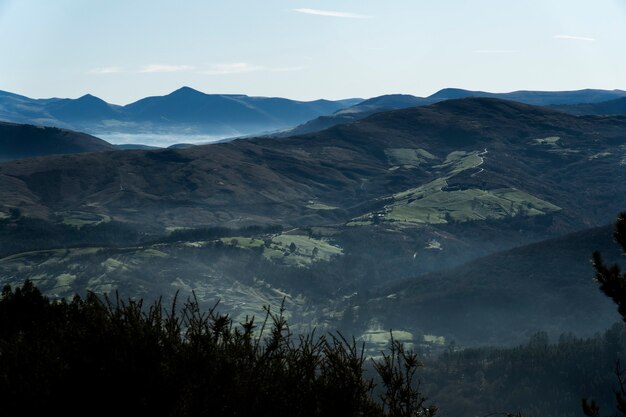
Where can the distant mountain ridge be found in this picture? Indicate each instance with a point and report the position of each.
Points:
(183, 111)
(187, 111)
(588, 97)
(605, 108)
(536, 98)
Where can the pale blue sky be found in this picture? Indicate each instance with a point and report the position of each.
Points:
(122, 50)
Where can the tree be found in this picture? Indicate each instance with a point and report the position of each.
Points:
(613, 284)
(292, 247)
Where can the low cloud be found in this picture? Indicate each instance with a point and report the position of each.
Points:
(156, 68)
(575, 38)
(332, 13)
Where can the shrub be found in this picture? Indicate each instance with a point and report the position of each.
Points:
(99, 357)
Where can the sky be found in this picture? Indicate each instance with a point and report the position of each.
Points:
(124, 50)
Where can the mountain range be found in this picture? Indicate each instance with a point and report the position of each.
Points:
(579, 102)
(184, 111)
(187, 112)
(603, 108)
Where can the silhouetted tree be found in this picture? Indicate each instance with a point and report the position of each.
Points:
(612, 283)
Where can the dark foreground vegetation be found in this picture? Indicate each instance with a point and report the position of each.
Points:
(101, 357)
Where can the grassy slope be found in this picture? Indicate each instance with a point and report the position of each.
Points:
(507, 296)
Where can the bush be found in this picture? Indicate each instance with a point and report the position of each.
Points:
(101, 357)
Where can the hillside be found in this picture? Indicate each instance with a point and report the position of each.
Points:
(25, 141)
(517, 155)
(604, 108)
(547, 286)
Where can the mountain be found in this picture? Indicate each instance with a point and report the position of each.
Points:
(389, 102)
(84, 109)
(604, 108)
(182, 112)
(21, 109)
(359, 111)
(26, 141)
(187, 105)
(401, 101)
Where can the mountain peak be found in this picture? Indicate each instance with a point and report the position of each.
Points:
(90, 98)
(452, 93)
(186, 91)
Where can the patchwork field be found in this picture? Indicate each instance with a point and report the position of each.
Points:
(292, 250)
(81, 218)
(408, 158)
(437, 203)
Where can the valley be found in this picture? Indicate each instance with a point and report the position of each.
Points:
(342, 224)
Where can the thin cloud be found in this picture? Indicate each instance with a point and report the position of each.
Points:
(244, 67)
(332, 13)
(106, 70)
(575, 38)
(217, 69)
(157, 68)
(232, 68)
(494, 51)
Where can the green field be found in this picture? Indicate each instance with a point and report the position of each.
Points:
(278, 248)
(459, 161)
(316, 205)
(407, 157)
(377, 339)
(81, 218)
(243, 242)
(431, 203)
(473, 204)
